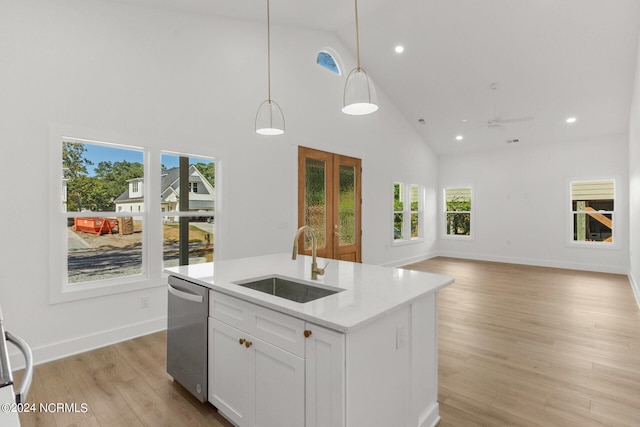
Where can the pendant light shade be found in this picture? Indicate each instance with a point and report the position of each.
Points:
(359, 93)
(269, 118)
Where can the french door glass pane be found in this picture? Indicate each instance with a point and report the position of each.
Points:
(315, 201)
(200, 244)
(100, 248)
(347, 205)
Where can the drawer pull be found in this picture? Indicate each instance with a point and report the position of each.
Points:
(248, 344)
(242, 340)
(307, 333)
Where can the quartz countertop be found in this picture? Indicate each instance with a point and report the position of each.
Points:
(367, 291)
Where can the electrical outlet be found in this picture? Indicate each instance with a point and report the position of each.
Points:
(144, 302)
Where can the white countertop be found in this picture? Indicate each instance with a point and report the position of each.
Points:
(369, 291)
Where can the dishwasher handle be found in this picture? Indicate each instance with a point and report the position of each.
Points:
(21, 395)
(185, 295)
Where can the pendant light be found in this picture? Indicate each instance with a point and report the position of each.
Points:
(359, 94)
(269, 118)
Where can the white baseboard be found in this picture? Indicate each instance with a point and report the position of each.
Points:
(635, 287)
(88, 342)
(537, 262)
(431, 418)
(411, 260)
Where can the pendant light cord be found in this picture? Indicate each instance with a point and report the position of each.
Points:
(357, 37)
(268, 54)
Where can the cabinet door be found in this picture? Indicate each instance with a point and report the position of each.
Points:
(279, 387)
(231, 373)
(325, 378)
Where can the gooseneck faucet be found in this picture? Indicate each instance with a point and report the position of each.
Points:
(314, 244)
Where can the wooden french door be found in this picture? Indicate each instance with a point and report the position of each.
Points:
(329, 200)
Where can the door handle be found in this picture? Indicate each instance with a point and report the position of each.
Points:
(185, 295)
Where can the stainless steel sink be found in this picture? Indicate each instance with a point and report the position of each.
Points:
(287, 288)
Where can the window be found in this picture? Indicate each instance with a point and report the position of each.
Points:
(592, 210)
(105, 224)
(458, 211)
(407, 212)
(93, 188)
(187, 222)
(326, 60)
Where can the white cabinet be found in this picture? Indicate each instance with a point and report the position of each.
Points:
(256, 364)
(252, 382)
(325, 377)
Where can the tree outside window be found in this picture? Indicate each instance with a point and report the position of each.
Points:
(407, 222)
(457, 211)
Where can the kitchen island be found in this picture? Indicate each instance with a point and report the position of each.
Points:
(365, 355)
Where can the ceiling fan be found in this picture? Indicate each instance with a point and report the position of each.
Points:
(496, 122)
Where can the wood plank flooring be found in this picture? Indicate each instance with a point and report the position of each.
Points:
(518, 346)
(531, 346)
(125, 384)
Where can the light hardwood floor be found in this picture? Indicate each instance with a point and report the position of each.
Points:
(518, 346)
(531, 346)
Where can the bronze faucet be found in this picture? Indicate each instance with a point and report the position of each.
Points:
(314, 243)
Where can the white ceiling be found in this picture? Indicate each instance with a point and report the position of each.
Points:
(552, 59)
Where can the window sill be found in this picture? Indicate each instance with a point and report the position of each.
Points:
(593, 245)
(86, 290)
(457, 237)
(404, 242)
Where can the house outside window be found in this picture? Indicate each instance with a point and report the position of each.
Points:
(408, 201)
(592, 211)
(103, 225)
(458, 211)
(188, 222)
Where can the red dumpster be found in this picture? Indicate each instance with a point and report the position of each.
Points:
(95, 225)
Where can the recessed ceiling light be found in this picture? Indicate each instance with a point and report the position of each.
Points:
(464, 120)
(459, 138)
(571, 120)
(399, 49)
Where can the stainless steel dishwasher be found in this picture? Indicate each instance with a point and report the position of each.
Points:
(188, 309)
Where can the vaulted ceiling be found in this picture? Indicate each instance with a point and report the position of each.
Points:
(552, 59)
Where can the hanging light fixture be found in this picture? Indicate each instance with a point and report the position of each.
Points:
(269, 118)
(359, 94)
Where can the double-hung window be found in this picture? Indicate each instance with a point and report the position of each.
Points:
(408, 208)
(118, 218)
(458, 211)
(592, 211)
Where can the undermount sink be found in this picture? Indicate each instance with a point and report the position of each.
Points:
(287, 288)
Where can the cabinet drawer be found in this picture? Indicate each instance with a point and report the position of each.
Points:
(275, 328)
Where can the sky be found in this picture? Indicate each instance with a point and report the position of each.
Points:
(100, 153)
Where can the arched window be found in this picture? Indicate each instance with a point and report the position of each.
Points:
(326, 60)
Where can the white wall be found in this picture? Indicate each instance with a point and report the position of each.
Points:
(521, 203)
(185, 83)
(634, 186)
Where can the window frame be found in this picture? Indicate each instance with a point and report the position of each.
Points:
(153, 275)
(614, 214)
(189, 214)
(407, 212)
(471, 213)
